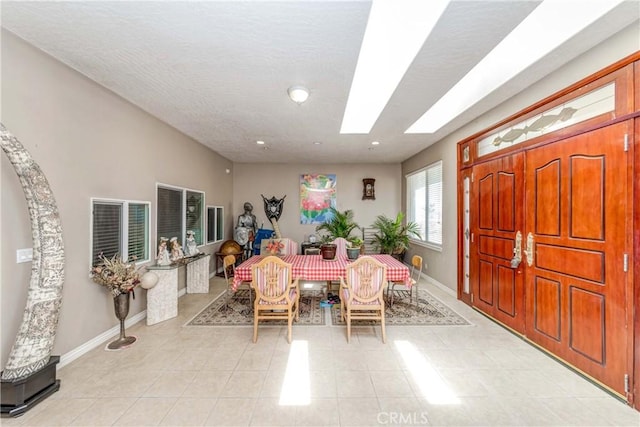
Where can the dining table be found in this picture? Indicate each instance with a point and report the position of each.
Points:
(315, 268)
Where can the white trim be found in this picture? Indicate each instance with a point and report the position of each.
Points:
(433, 281)
(182, 292)
(124, 223)
(442, 287)
(81, 350)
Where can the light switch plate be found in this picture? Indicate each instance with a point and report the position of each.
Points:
(24, 255)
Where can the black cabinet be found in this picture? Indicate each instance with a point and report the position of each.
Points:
(308, 248)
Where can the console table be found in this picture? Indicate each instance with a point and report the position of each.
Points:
(198, 275)
(162, 299)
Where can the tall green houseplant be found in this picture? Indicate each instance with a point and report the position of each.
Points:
(392, 235)
(340, 225)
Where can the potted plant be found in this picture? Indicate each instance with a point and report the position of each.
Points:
(392, 235)
(120, 278)
(356, 245)
(327, 248)
(341, 224)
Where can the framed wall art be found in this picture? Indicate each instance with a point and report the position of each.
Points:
(317, 195)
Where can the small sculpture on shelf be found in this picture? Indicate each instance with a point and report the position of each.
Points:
(191, 248)
(163, 253)
(176, 250)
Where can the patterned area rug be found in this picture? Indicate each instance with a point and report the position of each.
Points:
(237, 311)
(429, 312)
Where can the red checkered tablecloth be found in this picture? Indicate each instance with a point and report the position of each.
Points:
(313, 267)
(243, 271)
(396, 271)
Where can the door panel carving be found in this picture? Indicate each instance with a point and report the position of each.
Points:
(485, 202)
(586, 322)
(547, 202)
(587, 197)
(506, 193)
(486, 282)
(547, 308)
(582, 263)
(506, 287)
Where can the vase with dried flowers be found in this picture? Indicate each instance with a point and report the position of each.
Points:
(274, 247)
(120, 278)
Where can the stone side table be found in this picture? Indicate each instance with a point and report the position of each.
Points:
(162, 299)
(198, 275)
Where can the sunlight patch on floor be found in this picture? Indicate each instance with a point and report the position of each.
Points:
(432, 386)
(296, 386)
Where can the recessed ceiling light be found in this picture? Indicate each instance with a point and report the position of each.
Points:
(375, 143)
(527, 43)
(317, 143)
(396, 30)
(260, 142)
(298, 94)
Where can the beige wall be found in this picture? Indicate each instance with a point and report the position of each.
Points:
(90, 143)
(443, 265)
(251, 180)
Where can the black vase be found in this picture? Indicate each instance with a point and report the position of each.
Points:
(121, 307)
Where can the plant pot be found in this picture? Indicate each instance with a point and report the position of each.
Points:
(328, 251)
(353, 253)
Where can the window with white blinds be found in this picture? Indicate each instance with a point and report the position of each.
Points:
(180, 210)
(424, 202)
(195, 215)
(170, 214)
(215, 224)
(113, 233)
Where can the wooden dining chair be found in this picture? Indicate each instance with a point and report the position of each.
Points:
(229, 267)
(361, 293)
(277, 293)
(401, 288)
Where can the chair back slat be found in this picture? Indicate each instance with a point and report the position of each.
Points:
(366, 278)
(272, 278)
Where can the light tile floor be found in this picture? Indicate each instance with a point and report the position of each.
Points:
(215, 376)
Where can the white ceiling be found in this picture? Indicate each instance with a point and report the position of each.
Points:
(219, 71)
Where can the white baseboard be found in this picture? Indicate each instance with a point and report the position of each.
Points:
(443, 287)
(182, 292)
(72, 355)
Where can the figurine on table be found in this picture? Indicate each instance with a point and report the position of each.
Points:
(163, 253)
(191, 248)
(176, 250)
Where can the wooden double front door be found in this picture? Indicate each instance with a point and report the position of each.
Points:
(549, 242)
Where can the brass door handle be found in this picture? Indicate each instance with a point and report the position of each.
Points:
(517, 251)
(528, 252)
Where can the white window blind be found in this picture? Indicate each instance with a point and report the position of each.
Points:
(107, 230)
(114, 232)
(215, 228)
(170, 214)
(434, 204)
(417, 200)
(138, 247)
(424, 202)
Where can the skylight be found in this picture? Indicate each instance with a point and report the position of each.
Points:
(550, 25)
(395, 32)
